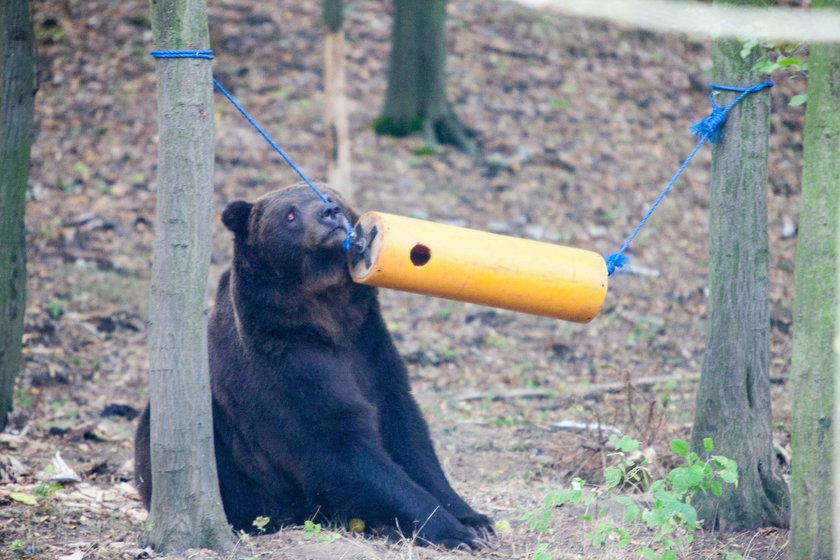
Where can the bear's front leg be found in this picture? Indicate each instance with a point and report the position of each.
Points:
(325, 432)
(404, 432)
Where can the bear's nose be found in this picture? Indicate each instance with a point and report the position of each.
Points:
(331, 213)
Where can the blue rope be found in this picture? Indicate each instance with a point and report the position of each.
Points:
(208, 55)
(707, 129)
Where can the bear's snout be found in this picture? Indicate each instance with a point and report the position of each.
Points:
(331, 214)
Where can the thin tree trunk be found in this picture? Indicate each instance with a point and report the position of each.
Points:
(733, 399)
(186, 509)
(17, 109)
(814, 312)
(337, 120)
(416, 98)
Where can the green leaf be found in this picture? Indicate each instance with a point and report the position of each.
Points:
(624, 537)
(656, 486)
(728, 469)
(765, 67)
(798, 99)
(23, 498)
(260, 522)
(669, 555)
(501, 526)
(716, 487)
(688, 515)
(541, 553)
(748, 47)
(708, 444)
(788, 61)
(627, 444)
(679, 447)
(649, 554)
(684, 479)
(612, 477)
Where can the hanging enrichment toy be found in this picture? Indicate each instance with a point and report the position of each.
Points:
(478, 267)
(485, 268)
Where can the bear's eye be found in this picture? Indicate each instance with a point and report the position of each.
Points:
(291, 216)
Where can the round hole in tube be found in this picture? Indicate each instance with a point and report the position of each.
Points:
(420, 254)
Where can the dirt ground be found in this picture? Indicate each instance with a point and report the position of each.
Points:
(581, 124)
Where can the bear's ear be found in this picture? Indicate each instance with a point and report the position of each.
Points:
(235, 217)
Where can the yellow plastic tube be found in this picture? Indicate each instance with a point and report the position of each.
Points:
(479, 267)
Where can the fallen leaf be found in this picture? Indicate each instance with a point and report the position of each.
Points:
(23, 498)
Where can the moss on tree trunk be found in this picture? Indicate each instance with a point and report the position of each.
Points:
(814, 361)
(416, 100)
(17, 102)
(733, 400)
(186, 509)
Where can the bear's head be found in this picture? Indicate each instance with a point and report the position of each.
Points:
(292, 236)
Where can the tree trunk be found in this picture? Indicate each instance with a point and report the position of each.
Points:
(337, 120)
(814, 311)
(186, 509)
(733, 400)
(17, 109)
(416, 99)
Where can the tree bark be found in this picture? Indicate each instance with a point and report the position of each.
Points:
(814, 311)
(186, 509)
(416, 98)
(337, 120)
(17, 110)
(733, 399)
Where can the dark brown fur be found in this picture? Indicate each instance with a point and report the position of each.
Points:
(313, 412)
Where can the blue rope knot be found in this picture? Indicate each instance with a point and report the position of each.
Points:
(710, 126)
(208, 55)
(614, 261)
(707, 129)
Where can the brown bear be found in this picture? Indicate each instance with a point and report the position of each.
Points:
(312, 409)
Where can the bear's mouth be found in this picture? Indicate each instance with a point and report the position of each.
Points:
(336, 234)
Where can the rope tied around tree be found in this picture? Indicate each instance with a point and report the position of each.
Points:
(707, 129)
(208, 55)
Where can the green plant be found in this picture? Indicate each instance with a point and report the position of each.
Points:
(425, 150)
(22, 396)
(55, 307)
(665, 507)
(626, 473)
(497, 341)
(541, 553)
(260, 523)
(243, 536)
(312, 530)
(780, 56)
(44, 491)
